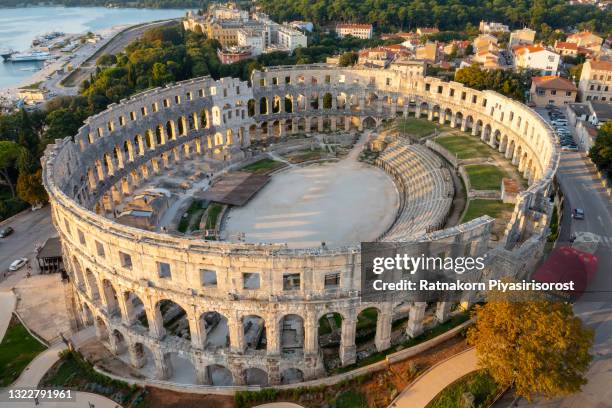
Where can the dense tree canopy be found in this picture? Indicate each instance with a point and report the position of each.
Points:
(509, 83)
(601, 152)
(389, 15)
(539, 347)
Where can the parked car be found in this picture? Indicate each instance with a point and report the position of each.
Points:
(5, 232)
(578, 214)
(18, 264)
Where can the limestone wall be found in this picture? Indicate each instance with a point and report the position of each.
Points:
(112, 265)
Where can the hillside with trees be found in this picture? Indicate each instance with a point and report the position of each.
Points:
(390, 15)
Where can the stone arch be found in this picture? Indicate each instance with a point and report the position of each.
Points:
(447, 116)
(219, 375)
(478, 128)
(142, 357)
(102, 332)
(171, 134)
(301, 124)
(327, 100)
(119, 342)
(276, 129)
(135, 310)
(173, 318)
(288, 100)
(330, 329)
(486, 133)
(496, 139)
(255, 376)
(263, 105)
(204, 119)
(365, 327)
(251, 107)
(218, 139)
(276, 104)
(182, 126)
(78, 273)
(92, 284)
(254, 328)
(423, 109)
(292, 376)
(216, 116)
(110, 297)
(291, 334)
(216, 330)
(369, 122)
(458, 119)
(88, 317)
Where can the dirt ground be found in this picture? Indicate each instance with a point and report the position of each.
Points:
(158, 398)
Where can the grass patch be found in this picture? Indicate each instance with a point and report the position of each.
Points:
(351, 399)
(213, 213)
(416, 127)
(17, 350)
(485, 176)
(263, 166)
(195, 210)
(306, 155)
(464, 147)
(478, 384)
(72, 371)
(480, 207)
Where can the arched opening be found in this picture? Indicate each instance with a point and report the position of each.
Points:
(301, 123)
(276, 105)
(142, 357)
(369, 123)
(79, 280)
(220, 375)
(170, 130)
(263, 106)
(366, 325)
(496, 140)
(327, 101)
(119, 342)
(254, 332)
(216, 329)
(330, 330)
(101, 329)
(174, 319)
(135, 309)
(314, 101)
(204, 119)
(289, 104)
(292, 376)
(88, 318)
(371, 100)
(424, 109)
(182, 129)
(276, 128)
(292, 334)
(110, 298)
(92, 283)
(448, 115)
(255, 376)
(486, 133)
(251, 108)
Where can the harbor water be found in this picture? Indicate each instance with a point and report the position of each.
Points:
(19, 26)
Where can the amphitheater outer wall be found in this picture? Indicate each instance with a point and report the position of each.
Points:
(128, 142)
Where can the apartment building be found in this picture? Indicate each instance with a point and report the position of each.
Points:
(595, 81)
(525, 36)
(536, 57)
(552, 90)
(363, 31)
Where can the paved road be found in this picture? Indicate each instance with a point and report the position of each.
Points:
(7, 302)
(422, 391)
(31, 228)
(117, 44)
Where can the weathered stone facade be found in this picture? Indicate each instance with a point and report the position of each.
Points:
(111, 264)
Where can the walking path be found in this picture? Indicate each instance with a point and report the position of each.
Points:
(440, 376)
(33, 373)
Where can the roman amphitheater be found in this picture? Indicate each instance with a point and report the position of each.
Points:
(272, 294)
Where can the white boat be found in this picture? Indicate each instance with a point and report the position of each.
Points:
(29, 56)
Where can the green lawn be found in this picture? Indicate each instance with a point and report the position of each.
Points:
(262, 166)
(17, 350)
(351, 399)
(464, 147)
(485, 176)
(480, 207)
(479, 384)
(195, 210)
(213, 213)
(416, 127)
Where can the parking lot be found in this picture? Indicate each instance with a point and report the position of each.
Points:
(563, 132)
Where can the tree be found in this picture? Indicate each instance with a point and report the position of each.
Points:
(538, 346)
(348, 59)
(601, 151)
(30, 188)
(9, 155)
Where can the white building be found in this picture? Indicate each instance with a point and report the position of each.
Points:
(363, 31)
(487, 27)
(290, 38)
(538, 58)
(525, 36)
(254, 38)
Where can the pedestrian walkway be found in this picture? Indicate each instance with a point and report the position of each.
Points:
(440, 376)
(33, 373)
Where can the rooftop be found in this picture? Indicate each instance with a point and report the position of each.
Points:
(601, 65)
(354, 25)
(603, 111)
(554, 82)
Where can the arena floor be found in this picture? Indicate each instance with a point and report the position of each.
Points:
(336, 202)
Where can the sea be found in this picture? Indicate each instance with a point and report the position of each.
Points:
(19, 26)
